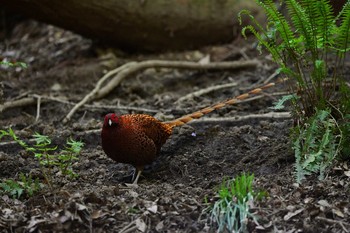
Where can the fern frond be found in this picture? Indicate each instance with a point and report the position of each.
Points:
(279, 22)
(263, 42)
(343, 35)
(300, 23)
(320, 15)
(265, 38)
(280, 103)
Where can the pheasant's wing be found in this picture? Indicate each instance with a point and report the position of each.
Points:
(153, 128)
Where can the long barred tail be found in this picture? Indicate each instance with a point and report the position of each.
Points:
(198, 114)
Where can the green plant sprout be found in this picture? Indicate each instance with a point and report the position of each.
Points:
(235, 197)
(42, 151)
(280, 103)
(26, 186)
(310, 45)
(14, 64)
(68, 156)
(48, 156)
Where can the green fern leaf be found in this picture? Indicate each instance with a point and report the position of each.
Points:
(343, 35)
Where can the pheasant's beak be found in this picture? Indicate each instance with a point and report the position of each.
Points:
(109, 122)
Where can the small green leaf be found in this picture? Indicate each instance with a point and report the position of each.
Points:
(280, 103)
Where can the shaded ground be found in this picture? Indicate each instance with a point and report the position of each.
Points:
(194, 161)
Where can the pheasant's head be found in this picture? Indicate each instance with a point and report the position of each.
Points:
(111, 119)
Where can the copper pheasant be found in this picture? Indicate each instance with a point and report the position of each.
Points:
(136, 139)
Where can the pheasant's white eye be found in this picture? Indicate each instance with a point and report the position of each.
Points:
(109, 122)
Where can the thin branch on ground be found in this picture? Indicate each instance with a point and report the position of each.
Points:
(33, 99)
(101, 106)
(244, 54)
(332, 221)
(17, 103)
(2, 144)
(205, 91)
(262, 81)
(133, 67)
(272, 76)
(175, 65)
(129, 227)
(275, 115)
(38, 108)
(250, 99)
(94, 93)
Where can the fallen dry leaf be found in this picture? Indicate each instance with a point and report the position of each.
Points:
(160, 226)
(141, 225)
(292, 214)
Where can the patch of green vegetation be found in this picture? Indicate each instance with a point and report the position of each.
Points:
(310, 45)
(232, 209)
(133, 210)
(314, 147)
(48, 156)
(14, 64)
(27, 186)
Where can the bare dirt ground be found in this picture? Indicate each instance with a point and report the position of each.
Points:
(193, 163)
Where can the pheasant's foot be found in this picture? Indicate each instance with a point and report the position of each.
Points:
(137, 176)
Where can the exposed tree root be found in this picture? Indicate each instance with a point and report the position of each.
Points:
(130, 68)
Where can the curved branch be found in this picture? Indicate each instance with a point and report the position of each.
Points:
(132, 67)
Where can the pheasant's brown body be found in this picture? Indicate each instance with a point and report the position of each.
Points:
(136, 139)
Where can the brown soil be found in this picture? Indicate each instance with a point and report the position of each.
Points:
(171, 193)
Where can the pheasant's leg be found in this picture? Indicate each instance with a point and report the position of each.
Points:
(138, 171)
(137, 177)
(133, 174)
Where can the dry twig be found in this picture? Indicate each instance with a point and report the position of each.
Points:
(17, 103)
(205, 91)
(34, 99)
(341, 223)
(276, 115)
